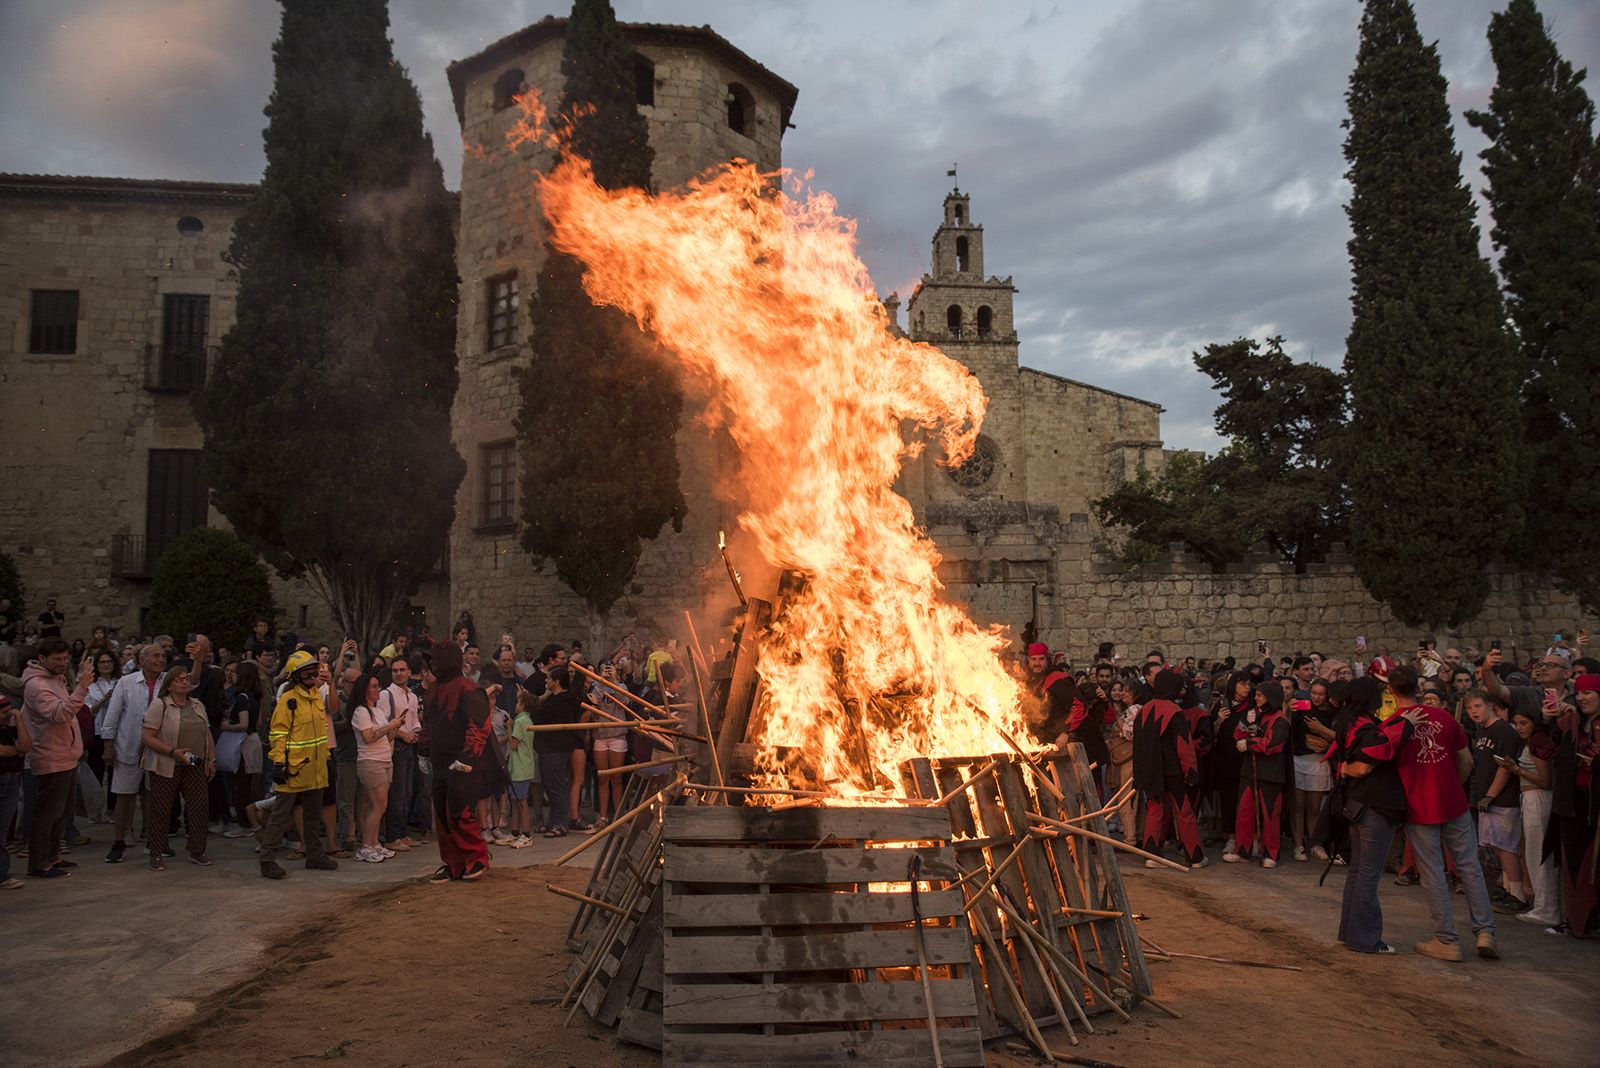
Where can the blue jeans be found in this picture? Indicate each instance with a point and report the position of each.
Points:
(400, 791)
(1361, 917)
(1462, 840)
(555, 773)
(10, 798)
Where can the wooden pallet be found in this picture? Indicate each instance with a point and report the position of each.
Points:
(789, 941)
(1067, 891)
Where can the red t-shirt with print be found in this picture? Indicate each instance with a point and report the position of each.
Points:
(1427, 765)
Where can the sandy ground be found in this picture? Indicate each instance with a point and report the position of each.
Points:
(382, 969)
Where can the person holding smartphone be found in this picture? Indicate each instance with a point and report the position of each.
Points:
(1494, 791)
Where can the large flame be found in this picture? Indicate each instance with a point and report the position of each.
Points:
(762, 297)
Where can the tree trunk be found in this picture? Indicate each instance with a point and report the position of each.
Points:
(599, 625)
(364, 607)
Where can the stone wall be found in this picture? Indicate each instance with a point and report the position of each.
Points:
(1183, 608)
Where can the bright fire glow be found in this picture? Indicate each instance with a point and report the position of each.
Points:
(762, 298)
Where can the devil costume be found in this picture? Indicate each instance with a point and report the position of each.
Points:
(1265, 732)
(1164, 769)
(463, 774)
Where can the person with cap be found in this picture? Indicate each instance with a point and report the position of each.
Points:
(1165, 770)
(1575, 804)
(1434, 764)
(1262, 736)
(298, 749)
(1063, 715)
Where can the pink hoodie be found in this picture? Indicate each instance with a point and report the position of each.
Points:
(52, 717)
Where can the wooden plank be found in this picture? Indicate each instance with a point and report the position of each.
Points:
(808, 909)
(641, 1027)
(1116, 889)
(749, 1003)
(815, 867)
(919, 776)
(721, 824)
(986, 798)
(720, 954)
(626, 976)
(734, 716)
(961, 1048)
(1043, 891)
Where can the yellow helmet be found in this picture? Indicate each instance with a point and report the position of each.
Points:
(299, 661)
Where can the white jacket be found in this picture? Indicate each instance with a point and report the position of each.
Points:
(123, 721)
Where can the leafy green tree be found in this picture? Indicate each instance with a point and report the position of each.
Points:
(1427, 315)
(11, 588)
(1543, 171)
(327, 413)
(210, 582)
(1276, 482)
(599, 406)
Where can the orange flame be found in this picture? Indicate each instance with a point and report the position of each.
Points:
(762, 298)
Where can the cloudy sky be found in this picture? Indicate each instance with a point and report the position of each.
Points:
(1155, 175)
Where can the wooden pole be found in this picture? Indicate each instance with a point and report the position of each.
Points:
(1001, 895)
(999, 870)
(666, 732)
(1084, 832)
(1060, 956)
(585, 898)
(754, 791)
(663, 762)
(1045, 779)
(620, 821)
(592, 726)
(705, 709)
(1236, 963)
(623, 690)
(999, 963)
(988, 769)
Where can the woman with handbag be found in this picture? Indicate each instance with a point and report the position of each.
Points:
(179, 755)
(1368, 793)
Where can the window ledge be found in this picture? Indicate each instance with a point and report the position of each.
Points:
(499, 526)
(504, 352)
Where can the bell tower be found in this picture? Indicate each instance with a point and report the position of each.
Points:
(956, 303)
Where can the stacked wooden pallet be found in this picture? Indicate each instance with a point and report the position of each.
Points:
(1048, 909)
(815, 936)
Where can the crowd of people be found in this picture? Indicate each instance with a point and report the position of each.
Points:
(1450, 770)
(320, 754)
(1460, 772)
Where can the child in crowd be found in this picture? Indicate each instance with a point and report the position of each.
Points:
(520, 764)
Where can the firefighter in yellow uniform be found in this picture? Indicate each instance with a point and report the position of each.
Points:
(298, 749)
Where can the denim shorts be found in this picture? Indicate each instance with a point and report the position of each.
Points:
(519, 789)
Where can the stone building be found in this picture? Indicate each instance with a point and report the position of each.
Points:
(113, 298)
(707, 103)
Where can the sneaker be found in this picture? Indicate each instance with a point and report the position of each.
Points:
(370, 856)
(522, 841)
(1198, 864)
(1268, 862)
(1558, 929)
(500, 837)
(322, 864)
(1230, 857)
(49, 873)
(81, 839)
(1300, 854)
(385, 852)
(1449, 951)
(1488, 948)
(1154, 864)
(156, 863)
(476, 871)
(11, 884)
(1510, 905)
(1321, 854)
(168, 853)
(440, 876)
(203, 860)
(1231, 846)
(270, 870)
(1529, 917)
(1407, 878)
(238, 832)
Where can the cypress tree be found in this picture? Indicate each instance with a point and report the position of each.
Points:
(327, 414)
(599, 406)
(1543, 171)
(1427, 319)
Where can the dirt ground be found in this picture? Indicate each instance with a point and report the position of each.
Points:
(417, 974)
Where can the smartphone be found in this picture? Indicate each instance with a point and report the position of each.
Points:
(1495, 645)
(1261, 646)
(1558, 637)
(1302, 705)
(1361, 643)
(1552, 699)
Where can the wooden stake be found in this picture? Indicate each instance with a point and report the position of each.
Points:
(999, 963)
(1237, 963)
(784, 792)
(988, 769)
(585, 898)
(1045, 779)
(1084, 832)
(620, 821)
(1061, 957)
(623, 690)
(591, 726)
(705, 710)
(644, 725)
(1002, 896)
(999, 870)
(648, 764)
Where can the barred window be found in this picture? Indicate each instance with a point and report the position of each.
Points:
(53, 330)
(503, 304)
(498, 461)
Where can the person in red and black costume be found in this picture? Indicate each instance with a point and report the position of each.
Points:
(1064, 716)
(1576, 803)
(458, 727)
(1370, 795)
(1165, 771)
(1261, 735)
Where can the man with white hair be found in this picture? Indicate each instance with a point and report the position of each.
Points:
(121, 731)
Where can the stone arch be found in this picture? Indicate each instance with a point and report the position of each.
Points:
(644, 81)
(963, 256)
(741, 109)
(952, 320)
(985, 321)
(507, 86)
(960, 215)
